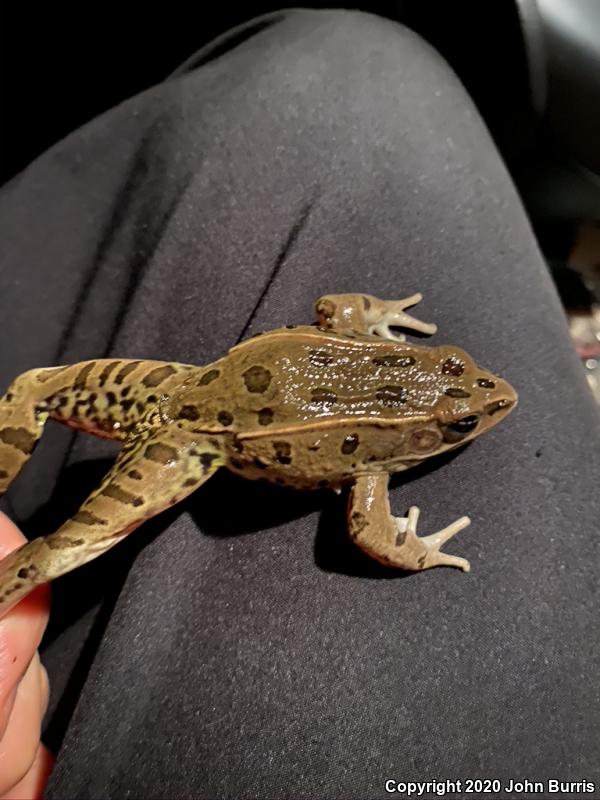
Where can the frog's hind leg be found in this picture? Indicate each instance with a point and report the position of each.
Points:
(152, 472)
(367, 314)
(104, 397)
(393, 540)
(23, 414)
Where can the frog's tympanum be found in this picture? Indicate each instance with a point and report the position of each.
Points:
(343, 402)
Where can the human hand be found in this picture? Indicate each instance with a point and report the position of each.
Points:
(25, 763)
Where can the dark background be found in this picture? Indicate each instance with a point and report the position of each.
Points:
(62, 68)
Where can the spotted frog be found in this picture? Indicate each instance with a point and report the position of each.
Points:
(344, 402)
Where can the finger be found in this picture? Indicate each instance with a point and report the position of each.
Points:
(32, 785)
(21, 629)
(19, 745)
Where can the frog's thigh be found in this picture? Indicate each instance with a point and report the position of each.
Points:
(154, 473)
(393, 541)
(21, 425)
(365, 313)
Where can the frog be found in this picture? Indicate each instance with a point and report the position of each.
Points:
(342, 404)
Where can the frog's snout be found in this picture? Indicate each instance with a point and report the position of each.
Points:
(503, 402)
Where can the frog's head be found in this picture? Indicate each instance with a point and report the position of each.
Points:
(471, 400)
(463, 401)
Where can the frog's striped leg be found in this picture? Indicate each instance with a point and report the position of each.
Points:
(393, 540)
(105, 397)
(365, 313)
(152, 472)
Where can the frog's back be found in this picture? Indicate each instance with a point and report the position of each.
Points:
(301, 375)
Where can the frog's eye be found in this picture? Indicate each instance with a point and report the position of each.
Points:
(461, 427)
(464, 425)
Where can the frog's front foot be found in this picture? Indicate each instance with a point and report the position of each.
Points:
(368, 314)
(393, 541)
(429, 546)
(385, 313)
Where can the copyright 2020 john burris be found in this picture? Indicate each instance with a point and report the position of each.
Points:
(492, 786)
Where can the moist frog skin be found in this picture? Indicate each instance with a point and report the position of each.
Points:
(344, 402)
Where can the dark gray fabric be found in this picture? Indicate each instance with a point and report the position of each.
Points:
(250, 651)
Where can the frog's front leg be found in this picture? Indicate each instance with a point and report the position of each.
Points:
(367, 314)
(393, 540)
(152, 472)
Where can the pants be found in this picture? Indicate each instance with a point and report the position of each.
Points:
(250, 650)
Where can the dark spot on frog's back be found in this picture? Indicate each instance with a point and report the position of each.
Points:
(366, 303)
(394, 361)
(453, 366)
(283, 452)
(257, 379)
(350, 444)
(224, 418)
(485, 383)
(324, 396)
(189, 412)
(391, 395)
(208, 377)
(265, 416)
(158, 375)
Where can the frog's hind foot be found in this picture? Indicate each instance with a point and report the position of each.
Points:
(368, 314)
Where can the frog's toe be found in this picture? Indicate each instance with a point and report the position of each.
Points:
(429, 554)
(385, 313)
(383, 330)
